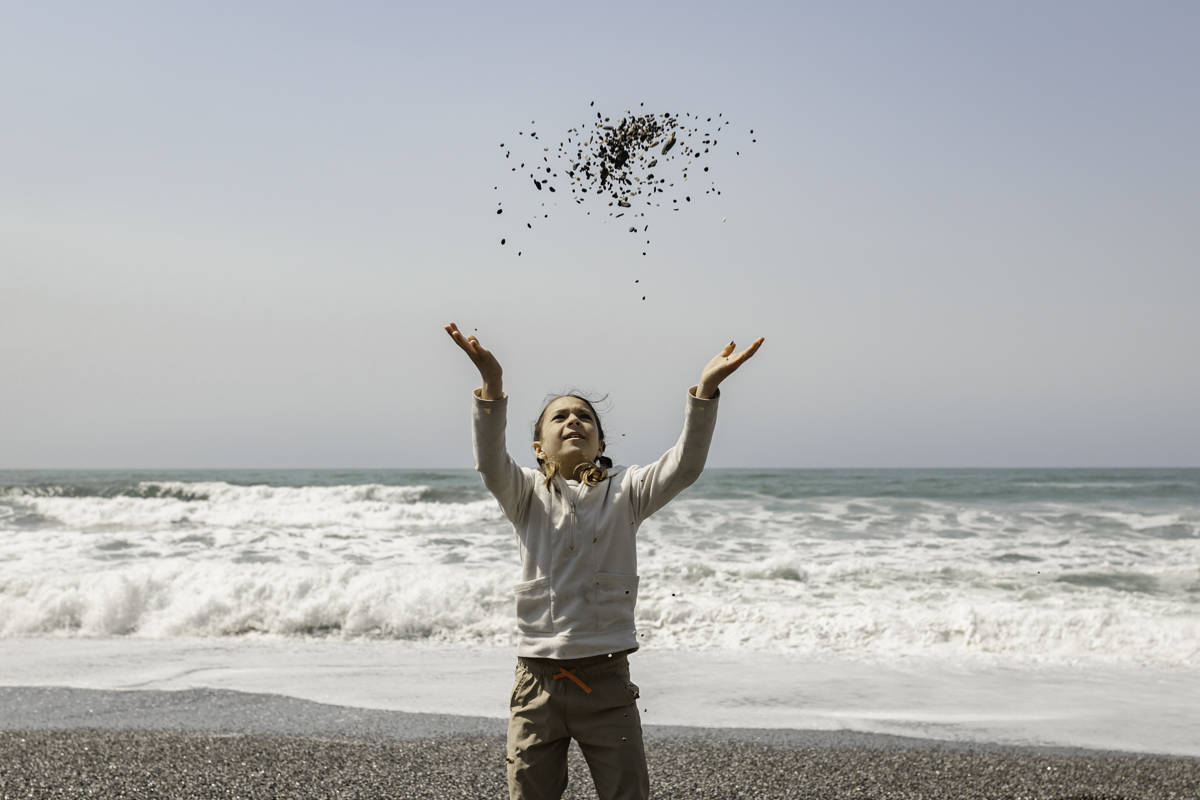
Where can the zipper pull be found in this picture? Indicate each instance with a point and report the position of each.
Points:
(574, 525)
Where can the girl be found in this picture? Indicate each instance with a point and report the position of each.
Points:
(576, 519)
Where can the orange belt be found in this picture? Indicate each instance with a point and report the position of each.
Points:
(563, 672)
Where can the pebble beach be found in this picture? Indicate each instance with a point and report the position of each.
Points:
(71, 743)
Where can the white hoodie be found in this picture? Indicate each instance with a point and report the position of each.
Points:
(578, 553)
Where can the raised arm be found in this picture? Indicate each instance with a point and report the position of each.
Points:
(656, 484)
(489, 368)
(501, 475)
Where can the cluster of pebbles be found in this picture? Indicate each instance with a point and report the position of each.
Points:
(633, 164)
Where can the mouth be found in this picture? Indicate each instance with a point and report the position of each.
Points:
(572, 435)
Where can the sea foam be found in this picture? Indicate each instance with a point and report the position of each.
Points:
(871, 569)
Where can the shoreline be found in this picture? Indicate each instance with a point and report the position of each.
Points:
(61, 743)
(228, 712)
(1089, 706)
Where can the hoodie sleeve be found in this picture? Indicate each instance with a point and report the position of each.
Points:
(510, 484)
(654, 485)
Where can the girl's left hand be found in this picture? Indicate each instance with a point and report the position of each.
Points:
(722, 366)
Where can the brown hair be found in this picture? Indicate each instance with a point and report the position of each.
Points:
(591, 474)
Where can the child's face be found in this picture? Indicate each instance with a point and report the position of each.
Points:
(569, 434)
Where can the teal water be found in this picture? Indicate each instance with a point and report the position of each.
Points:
(1017, 485)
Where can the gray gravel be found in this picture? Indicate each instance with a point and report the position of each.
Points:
(62, 743)
(144, 764)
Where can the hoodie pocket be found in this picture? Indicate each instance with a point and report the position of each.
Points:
(533, 606)
(616, 596)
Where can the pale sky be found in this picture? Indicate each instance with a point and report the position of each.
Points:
(230, 233)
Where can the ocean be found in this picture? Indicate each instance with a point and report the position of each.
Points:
(951, 578)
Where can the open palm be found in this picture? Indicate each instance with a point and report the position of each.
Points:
(482, 358)
(724, 364)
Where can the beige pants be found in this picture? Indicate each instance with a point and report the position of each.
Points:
(591, 701)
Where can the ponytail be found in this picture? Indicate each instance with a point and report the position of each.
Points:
(591, 474)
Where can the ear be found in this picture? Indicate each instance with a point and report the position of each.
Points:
(537, 450)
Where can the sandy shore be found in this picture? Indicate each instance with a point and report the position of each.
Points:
(66, 743)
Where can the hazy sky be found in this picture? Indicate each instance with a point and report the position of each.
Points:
(230, 233)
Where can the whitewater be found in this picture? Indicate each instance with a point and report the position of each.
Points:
(945, 590)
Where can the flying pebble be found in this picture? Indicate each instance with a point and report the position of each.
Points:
(627, 160)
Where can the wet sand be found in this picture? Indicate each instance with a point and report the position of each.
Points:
(68, 743)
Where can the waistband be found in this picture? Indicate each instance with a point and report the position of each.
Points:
(549, 666)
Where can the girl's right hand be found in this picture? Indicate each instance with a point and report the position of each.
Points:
(484, 361)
